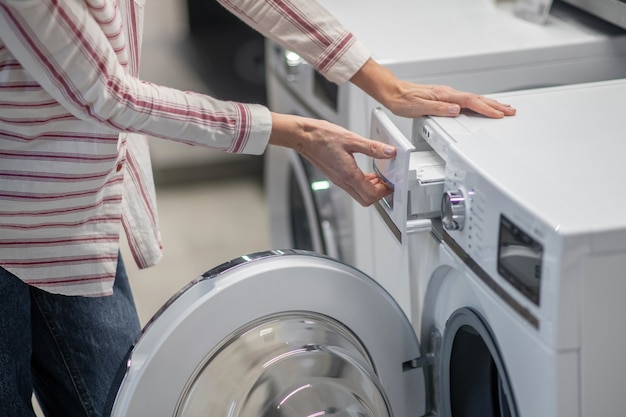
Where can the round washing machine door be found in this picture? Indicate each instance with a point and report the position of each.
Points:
(473, 371)
(275, 334)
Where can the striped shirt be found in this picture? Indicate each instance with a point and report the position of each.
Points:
(74, 123)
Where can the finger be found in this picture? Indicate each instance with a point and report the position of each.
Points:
(355, 184)
(440, 108)
(373, 148)
(490, 108)
(372, 189)
(506, 109)
(380, 189)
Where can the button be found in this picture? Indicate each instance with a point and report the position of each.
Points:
(119, 167)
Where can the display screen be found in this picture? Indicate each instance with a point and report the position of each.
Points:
(519, 259)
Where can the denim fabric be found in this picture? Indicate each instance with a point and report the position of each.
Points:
(67, 349)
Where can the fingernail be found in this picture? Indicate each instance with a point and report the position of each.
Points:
(388, 150)
(453, 109)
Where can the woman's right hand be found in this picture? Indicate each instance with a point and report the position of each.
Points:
(331, 149)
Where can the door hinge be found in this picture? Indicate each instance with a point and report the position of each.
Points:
(421, 362)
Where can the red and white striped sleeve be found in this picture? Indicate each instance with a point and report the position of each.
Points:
(61, 45)
(307, 28)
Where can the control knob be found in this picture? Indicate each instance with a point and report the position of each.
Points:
(453, 210)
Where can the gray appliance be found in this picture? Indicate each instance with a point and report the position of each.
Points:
(613, 11)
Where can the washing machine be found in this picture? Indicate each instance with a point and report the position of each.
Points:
(521, 312)
(520, 295)
(472, 45)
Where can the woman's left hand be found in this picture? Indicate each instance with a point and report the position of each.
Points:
(415, 100)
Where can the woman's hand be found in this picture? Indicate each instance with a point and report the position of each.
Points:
(331, 149)
(415, 100)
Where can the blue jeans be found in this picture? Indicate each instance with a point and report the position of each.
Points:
(66, 349)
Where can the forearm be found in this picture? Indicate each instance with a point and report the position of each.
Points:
(63, 49)
(307, 28)
(376, 80)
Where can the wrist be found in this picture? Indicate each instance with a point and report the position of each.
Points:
(377, 81)
(289, 131)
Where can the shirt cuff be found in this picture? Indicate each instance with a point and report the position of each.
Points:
(351, 61)
(257, 121)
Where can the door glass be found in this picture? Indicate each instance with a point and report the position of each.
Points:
(296, 364)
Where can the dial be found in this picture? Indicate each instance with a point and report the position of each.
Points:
(453, 210)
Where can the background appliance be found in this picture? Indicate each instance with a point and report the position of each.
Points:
(478, 46)
(613, 11)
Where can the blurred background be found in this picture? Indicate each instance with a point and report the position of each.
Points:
(211, 205)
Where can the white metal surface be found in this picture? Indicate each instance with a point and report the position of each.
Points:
(194, 323)
(401, 28)
(540, 378)
(561, 156)
(400, 238)
(553, 171)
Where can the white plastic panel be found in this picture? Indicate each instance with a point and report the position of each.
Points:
(393, 171)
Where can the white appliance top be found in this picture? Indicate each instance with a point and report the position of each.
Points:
(563, 156)
(430, 31)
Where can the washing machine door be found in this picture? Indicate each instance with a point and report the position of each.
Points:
(282, 333)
